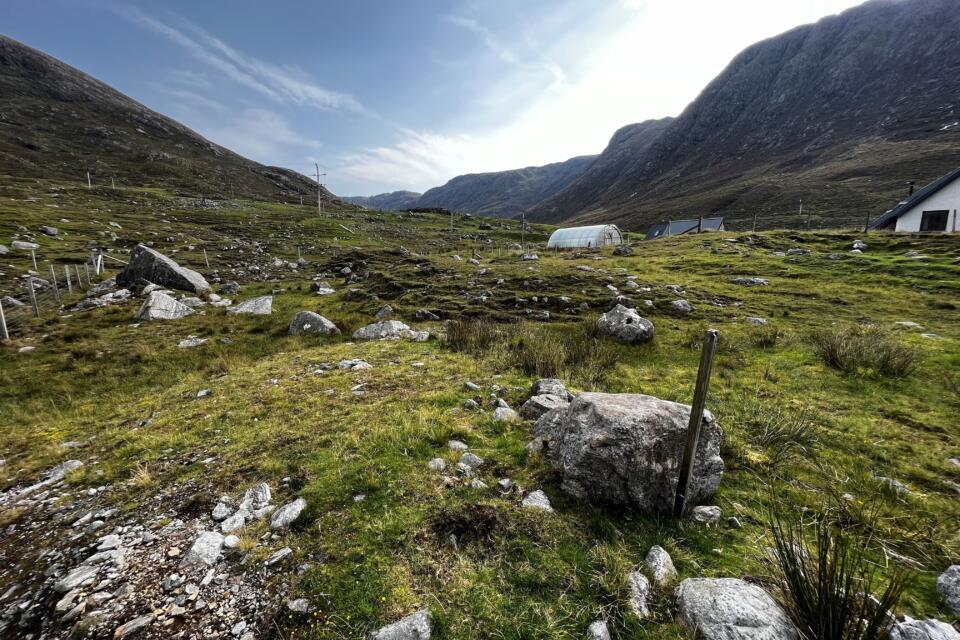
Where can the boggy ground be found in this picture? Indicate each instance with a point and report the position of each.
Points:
(797, 432)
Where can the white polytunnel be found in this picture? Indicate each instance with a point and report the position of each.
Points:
(600, 235)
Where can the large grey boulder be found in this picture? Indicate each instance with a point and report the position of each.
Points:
(910, 629)
(731, 609)
(262, 306)
(626, 325)
(948, 586)
(23, 245)
(416, 626)
(310, 322)
(389, 330)
(160, 306)
(153, 266)
(625, 449)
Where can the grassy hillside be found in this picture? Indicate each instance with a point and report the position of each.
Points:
(797, 432)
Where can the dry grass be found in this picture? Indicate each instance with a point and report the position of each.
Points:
(870, 349)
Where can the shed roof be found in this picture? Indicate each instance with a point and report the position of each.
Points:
(891, 216)
(678, 227)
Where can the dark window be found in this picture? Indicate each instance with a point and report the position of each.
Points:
(934, 221)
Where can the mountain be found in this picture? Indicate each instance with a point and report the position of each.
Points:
(394, 201)
(505, 194)
(840, 114)
(58, 123)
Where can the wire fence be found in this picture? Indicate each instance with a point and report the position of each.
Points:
(39, 294)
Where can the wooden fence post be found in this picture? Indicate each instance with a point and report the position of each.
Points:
(696, 417)
(205, 259)
(66, 273)
(33, 297)
(33, 256)
(4, 335)
(86, 269)
(53, 279)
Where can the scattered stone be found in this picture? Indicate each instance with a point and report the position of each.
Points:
(134, 626)
(389, 330)
(660, 565)
(230, 288)
(859, 245)
(895, 485)
(545, 386)
(425, 315)
(910, 629)
(310, 322)
(261, 306)
(76, 578)
(706, 514)
(231, 542)
(505, 414)
(622, 250)
(300, 605)
(537, 500)
(235, 522)
(152, 266)
(470, 404)
(642, 440)
(598, 628)
(279, 556)
(457, 445)
(437, 464)
(222, 511)
(625, 325)
(161, 306)
(731, 609)
(191, 342)
(756, 321)
(681, 306)
(471, 460)
(751, 282)
(416, 626)
(287, 514)
(206, 549)
(948, 586)
(639, 594)
(22, 245)
(734, 523)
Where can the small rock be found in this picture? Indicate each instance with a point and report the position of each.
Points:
(639, 594)
(134, 626)
(706, 514)
(505, 414)
(598, 628)
(287, 514)
(537, 500)
(416, 626)
(948, 586)
(437, 464)
(206, 549)
(471, 460)
(660, 565)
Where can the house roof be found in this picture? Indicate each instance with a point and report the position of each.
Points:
(678, 227)
(890, 217)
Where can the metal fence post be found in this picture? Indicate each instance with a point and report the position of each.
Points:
(66, 273)
(53, 279)
(33, 298)
(696, 417)
(4, 334)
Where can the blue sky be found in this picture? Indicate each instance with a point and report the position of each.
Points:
(406, 95)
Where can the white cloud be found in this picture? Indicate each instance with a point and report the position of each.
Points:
(286, 85)
(645, 59)
(261, 134)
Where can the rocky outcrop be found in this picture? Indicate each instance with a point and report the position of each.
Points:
(152, 266)
(625, 449)
(731, 609)
(416, 626)
(389, 330)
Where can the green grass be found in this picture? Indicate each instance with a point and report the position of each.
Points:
(792, 423)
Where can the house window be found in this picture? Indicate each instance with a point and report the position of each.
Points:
(934, 221)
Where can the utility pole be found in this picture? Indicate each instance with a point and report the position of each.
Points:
(319, 189)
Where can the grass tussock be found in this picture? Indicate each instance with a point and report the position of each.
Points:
(783, 432)
(475, 336)
(827, 582)
(868, 349)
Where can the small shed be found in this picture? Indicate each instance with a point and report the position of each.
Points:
(932, 209)
(601, 235)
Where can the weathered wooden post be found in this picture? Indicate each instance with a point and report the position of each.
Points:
(66, 273)
(696, 417)
(207, 260)
(33, 256)
(86, 270)
(53, 280)
(4, 335)
(33, 298)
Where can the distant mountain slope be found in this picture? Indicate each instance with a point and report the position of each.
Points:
(505, 194)
(394, 201)
(57, 122)
(840, 114)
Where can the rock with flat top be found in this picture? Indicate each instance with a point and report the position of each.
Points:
(536, 406)
(416, 626)
(626, 449)
(134, 626)
(389, 330)
(731, 609)
(626, 325)
(205, 549)
(152, 266)
(161, 306)
(261, 306)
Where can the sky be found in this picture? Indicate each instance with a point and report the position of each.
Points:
(398, 95)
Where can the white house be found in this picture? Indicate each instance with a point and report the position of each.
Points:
(932, 209)
(594, 237)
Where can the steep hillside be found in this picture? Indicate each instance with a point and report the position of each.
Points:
(840, 114)
(57, 122)
(505, 194)
(393, 201)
